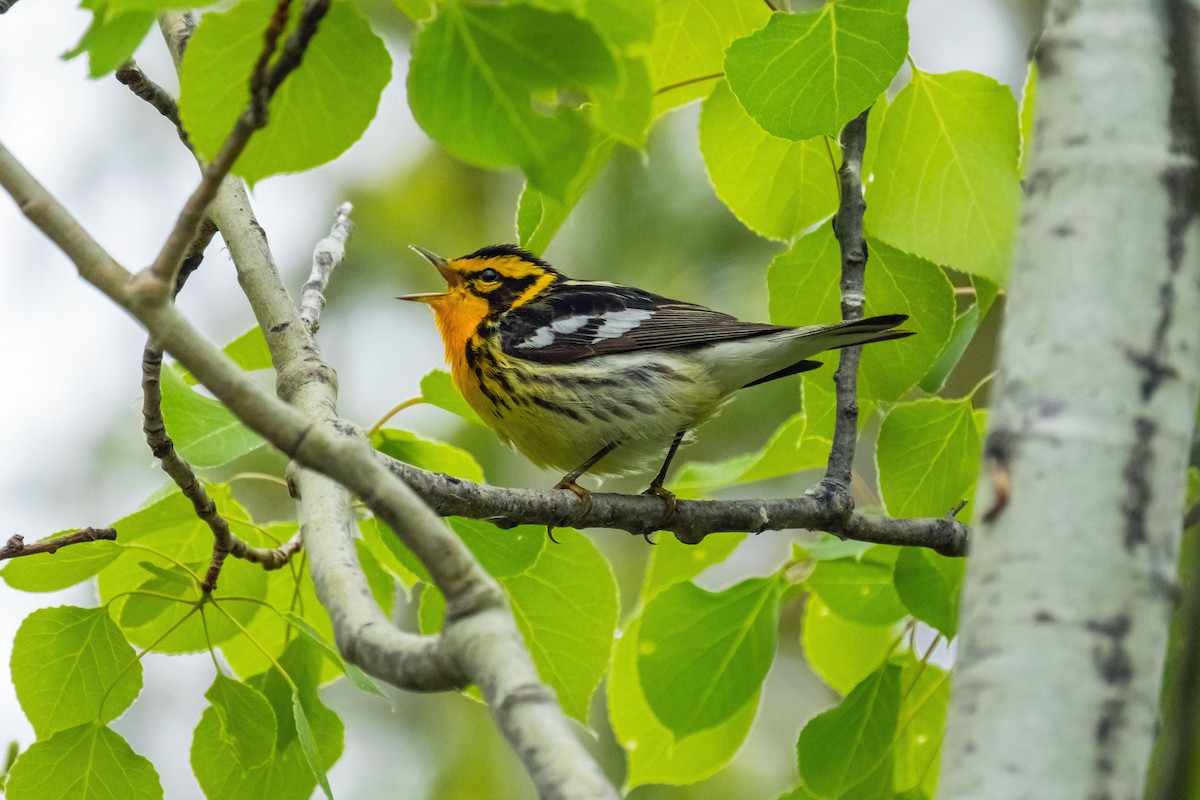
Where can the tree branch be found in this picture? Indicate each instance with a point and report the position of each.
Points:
(691, 522)
(480, 643)
(265, 80)
(140, 84)
(848, 228)
(327, 254)
(15, 546)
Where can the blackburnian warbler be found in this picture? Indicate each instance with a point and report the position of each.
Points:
(600, 377)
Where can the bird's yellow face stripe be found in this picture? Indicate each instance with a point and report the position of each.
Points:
(534, 289)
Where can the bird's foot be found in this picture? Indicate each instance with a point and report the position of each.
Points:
(585, 501)
(669, 503)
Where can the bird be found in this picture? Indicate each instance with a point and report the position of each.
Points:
(602, 378)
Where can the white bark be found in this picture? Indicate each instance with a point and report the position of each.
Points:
(1071, 582)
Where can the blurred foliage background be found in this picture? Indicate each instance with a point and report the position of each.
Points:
(651, 219)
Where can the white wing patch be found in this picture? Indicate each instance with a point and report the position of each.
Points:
(542, 337)
(618, 323)
(568, 324)
(609, 325)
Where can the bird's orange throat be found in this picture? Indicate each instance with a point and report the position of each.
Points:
(458, 315)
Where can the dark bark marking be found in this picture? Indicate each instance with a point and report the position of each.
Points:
(1137, 480)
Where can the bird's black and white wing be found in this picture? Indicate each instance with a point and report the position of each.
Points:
(580, 319)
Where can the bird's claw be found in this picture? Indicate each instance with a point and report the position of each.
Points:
(669, 504)
(585, 502)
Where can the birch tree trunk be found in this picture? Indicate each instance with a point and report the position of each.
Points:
(1072, 575)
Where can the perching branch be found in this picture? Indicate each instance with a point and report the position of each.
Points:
(15, 546)
(691, 522)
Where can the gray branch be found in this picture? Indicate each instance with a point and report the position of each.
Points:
(691, 522)
(326, 256)
(15, 546)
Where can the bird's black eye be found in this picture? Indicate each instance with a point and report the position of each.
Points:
(488, 275)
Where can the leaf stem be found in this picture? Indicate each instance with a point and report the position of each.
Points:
(688, 82)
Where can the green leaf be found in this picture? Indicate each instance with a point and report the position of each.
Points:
(829, 548)
(438, 389)
(356, 675)
(804, 283)
(958, 203)
(929, 585)
(623, 111)
(965, 326)
(703, 656)
(72, 665)
(841, 747)
(860, 590)
(50, 572)
(787, 452)
(289, 591)
(391, 553)
(88, 762)
(840, 651)
(249, 351)
(308, 745)
(799, 793)
(205, 432)
(150, 5)
(1028, 106)
(923, 716)
(563, 597)
(170, 527)
(427, 454)
(690, 43)
(626, 23)
(805, 75)
(565, 605)
(246, 720)
(319, 111)
(112, 37)
(673, 562)
(287, 774)
(776, 187)
(416, 10)
(191, 627)
(485, 81)
(503, 553)
(928, 456)
(655, 754)
(540, 216)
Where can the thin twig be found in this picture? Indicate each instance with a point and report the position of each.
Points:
(161, 273)
(163, 448)
(327, 254)
(140, 84)
(848, 227)
(15, 546)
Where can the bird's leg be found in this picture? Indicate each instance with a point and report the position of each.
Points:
(568, 483)
(656, 486)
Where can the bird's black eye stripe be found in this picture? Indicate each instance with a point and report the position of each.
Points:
(488, 275)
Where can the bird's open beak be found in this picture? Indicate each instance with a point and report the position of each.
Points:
(443, 266)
